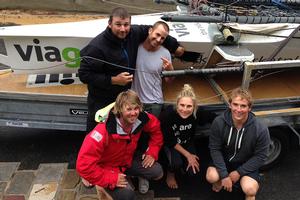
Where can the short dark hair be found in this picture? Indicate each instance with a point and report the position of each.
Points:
(164, 24)
(119, 12)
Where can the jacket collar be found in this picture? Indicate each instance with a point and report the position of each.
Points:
(112, 126)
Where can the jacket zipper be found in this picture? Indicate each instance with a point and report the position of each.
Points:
(235, 145)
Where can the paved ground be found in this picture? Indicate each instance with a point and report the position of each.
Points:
(32, 159)
(41, 166)
(48, 182)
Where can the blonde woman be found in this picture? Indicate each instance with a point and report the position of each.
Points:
(178, 126)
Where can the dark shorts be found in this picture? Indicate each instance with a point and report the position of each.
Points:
(231, 167)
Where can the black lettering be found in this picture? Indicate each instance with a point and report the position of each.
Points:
(178, 26)
(52, 54)
(182, 33)
(38, 52)
(36, 41)
(180, 29)
(24, 55)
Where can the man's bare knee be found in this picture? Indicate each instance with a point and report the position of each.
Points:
(249, 186)
(212, 176)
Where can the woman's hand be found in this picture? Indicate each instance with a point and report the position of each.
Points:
(193, 161)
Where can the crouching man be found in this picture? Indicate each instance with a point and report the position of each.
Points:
(238, 146)
(107, 156)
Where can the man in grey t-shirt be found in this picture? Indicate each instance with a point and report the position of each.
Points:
(152, 59)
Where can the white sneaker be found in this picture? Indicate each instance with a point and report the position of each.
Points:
(143, 185)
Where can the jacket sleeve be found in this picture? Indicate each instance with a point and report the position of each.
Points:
(156, 138)
(260, 154)
(171, 43)
(89, 158)
(91, 70)
(215, 147)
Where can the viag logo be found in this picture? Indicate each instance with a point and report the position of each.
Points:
(70, 55)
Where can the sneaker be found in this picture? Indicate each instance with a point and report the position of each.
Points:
(143, 185)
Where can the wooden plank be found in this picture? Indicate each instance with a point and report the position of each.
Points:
(17, 83)
(204, 92)
(279, 112)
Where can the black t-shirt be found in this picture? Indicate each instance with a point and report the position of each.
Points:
(177, 130)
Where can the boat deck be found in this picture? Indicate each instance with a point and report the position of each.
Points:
(281, 85)
(16, 83)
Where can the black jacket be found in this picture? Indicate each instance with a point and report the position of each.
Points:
(246, 148)
(107, 47)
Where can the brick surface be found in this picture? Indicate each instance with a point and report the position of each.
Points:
(2, 187)
(21, 183)
(49, 182)
(66, 195)
(43, 191)
(50, 173)
(70, 179)
(14, 197)
(86, 191)
(7, 169)
(89, 198)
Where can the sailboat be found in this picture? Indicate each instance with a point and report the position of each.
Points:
(213, 32)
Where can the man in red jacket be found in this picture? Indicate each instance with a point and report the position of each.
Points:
(107, 156)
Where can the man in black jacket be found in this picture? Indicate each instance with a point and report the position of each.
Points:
(108, 61)
(238, 146)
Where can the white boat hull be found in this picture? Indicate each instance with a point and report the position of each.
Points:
(54, 48)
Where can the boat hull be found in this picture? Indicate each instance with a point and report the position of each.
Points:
(55, 48)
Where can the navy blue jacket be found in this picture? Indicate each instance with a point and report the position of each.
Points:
(246, 148)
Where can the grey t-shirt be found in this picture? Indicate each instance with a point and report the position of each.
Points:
(147, 81)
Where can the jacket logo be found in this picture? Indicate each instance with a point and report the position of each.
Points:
(96, 136)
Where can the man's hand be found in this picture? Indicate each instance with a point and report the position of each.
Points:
(167, 65)
(193, 161)
(227, 184)
(122, 181)
(122, 79)
(234, 176)
(148, 161)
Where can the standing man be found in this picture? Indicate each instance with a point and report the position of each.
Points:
(108, 61)
(238, 146)
(106, 157)
(152, 59)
